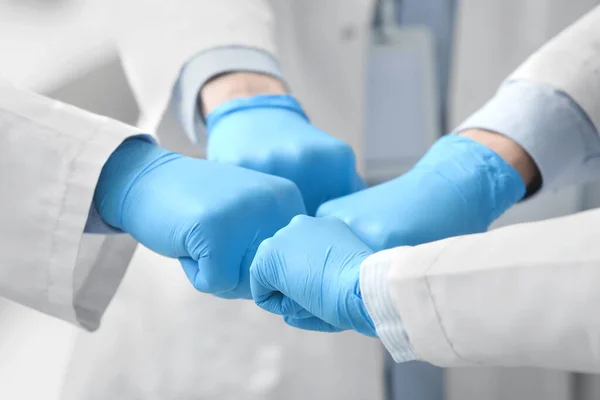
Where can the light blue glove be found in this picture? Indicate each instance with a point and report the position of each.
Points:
(459, 187)
(272, 134)
(210, 216)
(309, 273)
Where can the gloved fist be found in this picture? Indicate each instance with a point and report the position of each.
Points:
(309, 273)
(272, 134)
(210, 216)
(459, 187)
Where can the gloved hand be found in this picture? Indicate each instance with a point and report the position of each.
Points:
(459, 187)
(309, 273)
(210, 216)
(271, 134)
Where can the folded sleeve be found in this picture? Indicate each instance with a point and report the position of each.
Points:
(551, 106)
(375, 291)
(51, 155)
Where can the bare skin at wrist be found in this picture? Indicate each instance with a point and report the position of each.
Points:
(237, 85)
(510, 151)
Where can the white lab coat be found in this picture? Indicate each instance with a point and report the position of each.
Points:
(52, 155)
(492, 39)
(187, 345)
(523, 295)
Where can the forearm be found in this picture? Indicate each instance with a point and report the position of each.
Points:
(510, 151)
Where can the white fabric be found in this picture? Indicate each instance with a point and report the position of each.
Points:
(378, 301)
(51, 155)
(524, 295)
(157, 38)
(571, 63)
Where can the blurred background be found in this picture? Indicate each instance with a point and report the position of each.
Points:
(64, 49)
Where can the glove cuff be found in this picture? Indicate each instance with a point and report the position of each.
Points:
(482, 176)
(119, 173)
(279, 101)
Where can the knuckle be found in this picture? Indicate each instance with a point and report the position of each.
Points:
(262, 163)
(255, 161)
(265, 247)
(300, 220)
(330, 208)
(344, 218)
(275, 185)
(343, 152)
(298, 154)
(333, 220)
(290, 188)
(379, 237)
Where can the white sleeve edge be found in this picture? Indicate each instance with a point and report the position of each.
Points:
(374, 286)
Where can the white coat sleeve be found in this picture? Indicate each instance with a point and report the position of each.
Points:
(551, 105)
(523, 295)
(51, 155)
(160, 40)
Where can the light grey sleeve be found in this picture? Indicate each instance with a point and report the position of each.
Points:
(549, 125)
(207, 65)
(570, 63)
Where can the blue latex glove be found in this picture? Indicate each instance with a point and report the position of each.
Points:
(210, 216)
(272, 134)
(459, 187)
(309, 273)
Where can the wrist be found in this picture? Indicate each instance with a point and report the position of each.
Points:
(130, 159)
(237, 85)
(479, 175)
(509, 151)
(282, 102)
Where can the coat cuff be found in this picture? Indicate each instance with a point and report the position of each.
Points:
(82, 294)
(207, 65)
(374, 287)
(413, 299)
(549, 125)
(95, 224)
